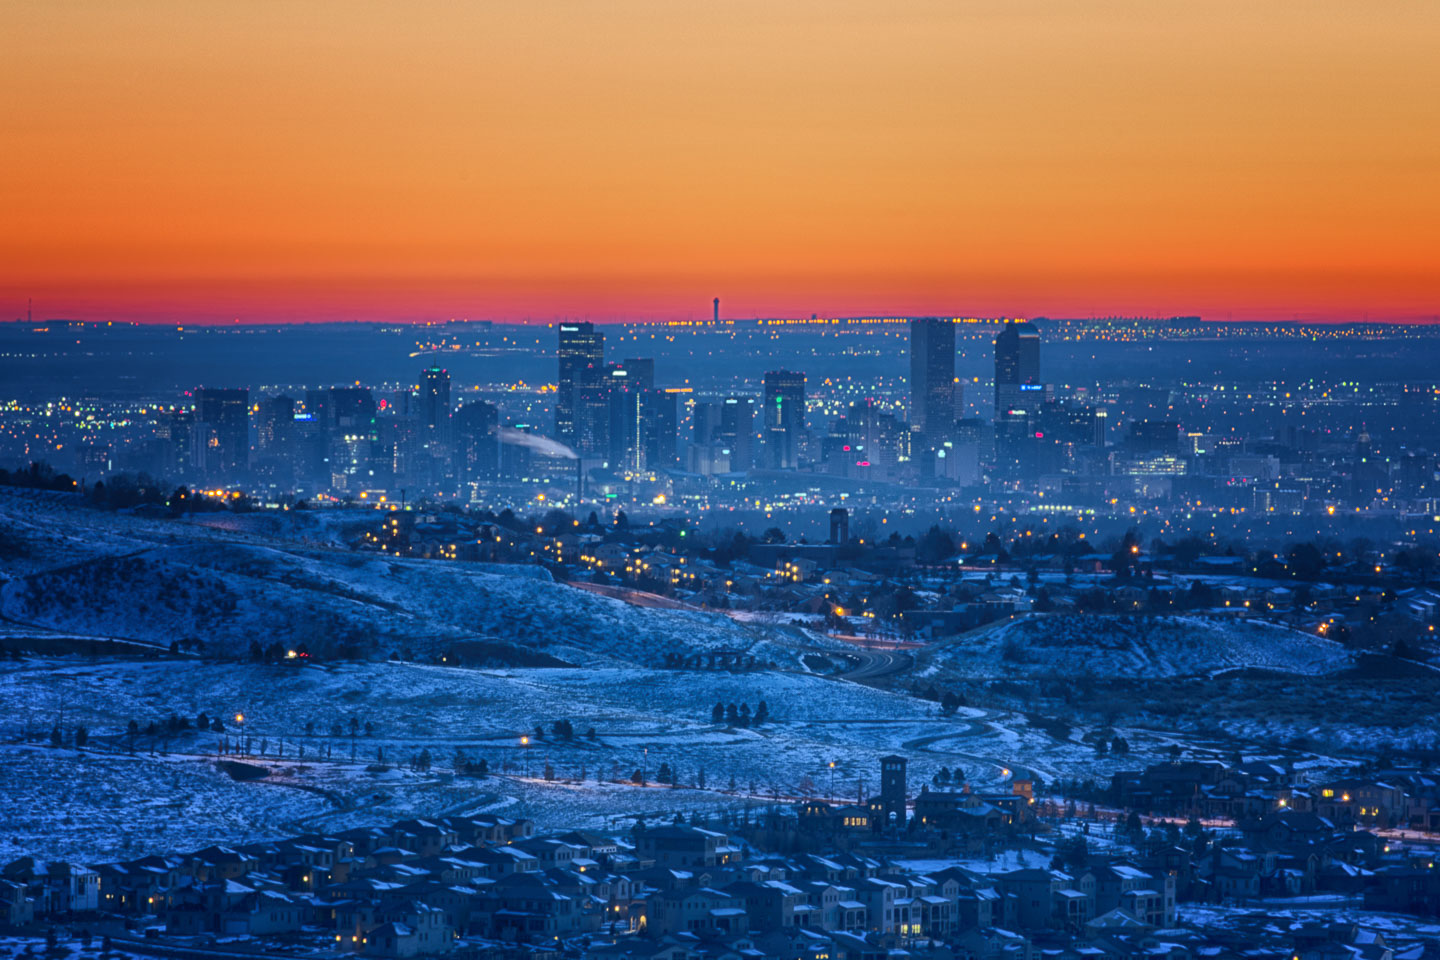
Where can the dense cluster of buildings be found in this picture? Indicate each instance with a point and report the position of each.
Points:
(1392, 799)
(624, 430)
(813, 883)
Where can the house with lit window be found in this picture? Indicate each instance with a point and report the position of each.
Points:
(1368, 803)
(684, 846)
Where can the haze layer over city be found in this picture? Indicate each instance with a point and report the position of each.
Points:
(716, 482)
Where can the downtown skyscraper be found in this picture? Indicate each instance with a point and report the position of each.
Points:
(1019, 399)
(784, 418)
(933, 390)
(580, 356)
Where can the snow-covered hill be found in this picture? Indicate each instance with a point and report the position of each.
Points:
(161, 581)
(1120, 646)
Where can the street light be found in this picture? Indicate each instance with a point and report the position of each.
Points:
(832, 781)
(525, 742)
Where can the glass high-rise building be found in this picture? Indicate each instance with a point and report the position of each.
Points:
(435, 410)
(580, 355)
(225, 414)
(1019, 399)
(784, 418)
(933, 389)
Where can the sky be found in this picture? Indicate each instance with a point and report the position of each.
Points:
(625, 160)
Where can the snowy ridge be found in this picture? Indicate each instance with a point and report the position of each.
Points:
(1113, 646)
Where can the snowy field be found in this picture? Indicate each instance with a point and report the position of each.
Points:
(641, 718)
(1079, 645)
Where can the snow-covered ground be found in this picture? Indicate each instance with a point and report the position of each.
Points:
(641, 718)
(1081, 645)
(230, 580)
(219, 580)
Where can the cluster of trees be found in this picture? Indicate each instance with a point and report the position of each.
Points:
(1118, 746)
(124, 491)
(38, 476)
(946, 777)
(714, 660)
(563, 730)
(466, 767)
(175, 723)
(740, 716)
(949, 701)
(337, 729)
(81, 738)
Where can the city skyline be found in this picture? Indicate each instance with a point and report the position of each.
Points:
(632, 161)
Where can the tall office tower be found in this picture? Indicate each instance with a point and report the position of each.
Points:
(840, 526)
(275, 451)
(226, 413)
(581, 348)
(175, 432)
(402, 440)
(705, 422)
(724, 437)
(437, 427)
(639, 371)
(477, 448)
(737, 431)
(435, 410)
(591, 412)
(1019, 398)
(784, 418)
(932, 380)
(626, 386)
(659, 426)
(273, 424)
(1017, 363)
(874, 441)
(703, 455)
(353, 439)
(350, 410)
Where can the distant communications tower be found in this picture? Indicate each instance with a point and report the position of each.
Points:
(717, 309)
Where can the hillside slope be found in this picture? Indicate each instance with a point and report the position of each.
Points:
(161, 581)
(1079, 645)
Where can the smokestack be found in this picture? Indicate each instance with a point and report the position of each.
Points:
(717, 309)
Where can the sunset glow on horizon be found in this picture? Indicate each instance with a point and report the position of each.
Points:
(197, 163)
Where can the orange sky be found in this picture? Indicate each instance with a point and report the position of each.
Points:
(303, 160)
